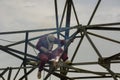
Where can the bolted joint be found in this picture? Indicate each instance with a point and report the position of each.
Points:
(104, 63)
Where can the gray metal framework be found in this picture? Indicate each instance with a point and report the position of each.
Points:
(80, 32)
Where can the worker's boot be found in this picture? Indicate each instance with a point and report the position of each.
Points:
(32, 63)
(39, 74)
(55, 64)
(68, 62)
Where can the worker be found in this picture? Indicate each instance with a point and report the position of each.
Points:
(46, 52)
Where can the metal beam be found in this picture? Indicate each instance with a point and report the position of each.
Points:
(9, 75)
(103, 37)
(57, 20)
(27, 73)
(7, 51)
(104, 28)
(17, 52)
(25, 57)
(68, 18)
(58, 75)
(96, 7)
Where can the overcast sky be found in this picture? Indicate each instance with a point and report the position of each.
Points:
(37, 14)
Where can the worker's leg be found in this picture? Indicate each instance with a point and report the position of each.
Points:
(64, 56)
(59, 52)
(43, 61)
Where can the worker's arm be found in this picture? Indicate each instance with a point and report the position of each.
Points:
(45, 50)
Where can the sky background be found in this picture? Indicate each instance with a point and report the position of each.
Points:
(18, 15)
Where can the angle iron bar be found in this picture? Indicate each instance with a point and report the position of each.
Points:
(63, 13)
(50, 71)
(104, 73)
(32, 45)
(96, 7)
(103, 37)
(2, 77)
(27, 73)
(19, 52)
(24, 31)
(104, 28)
(68, 18)
(25, 57)
(17, 72)
(56, 16)
(5, 50)
(81, 70)
(26, 44)
(80, 41)
(113, 57)
(111, 72)
(13, 54)
(14, 68)
(58, 75)
(9, 74)
(22, 41)
(72, 37)
(62, 35)
(75, 13)
(5, 70)
(92, 63)
(105, 24)
(93, 45)
(91, 77)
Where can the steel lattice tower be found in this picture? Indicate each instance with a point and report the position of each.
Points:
(79, 32)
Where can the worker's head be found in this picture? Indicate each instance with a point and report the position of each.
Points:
(51, 37)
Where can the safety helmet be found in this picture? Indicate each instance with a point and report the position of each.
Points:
(51, 37)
